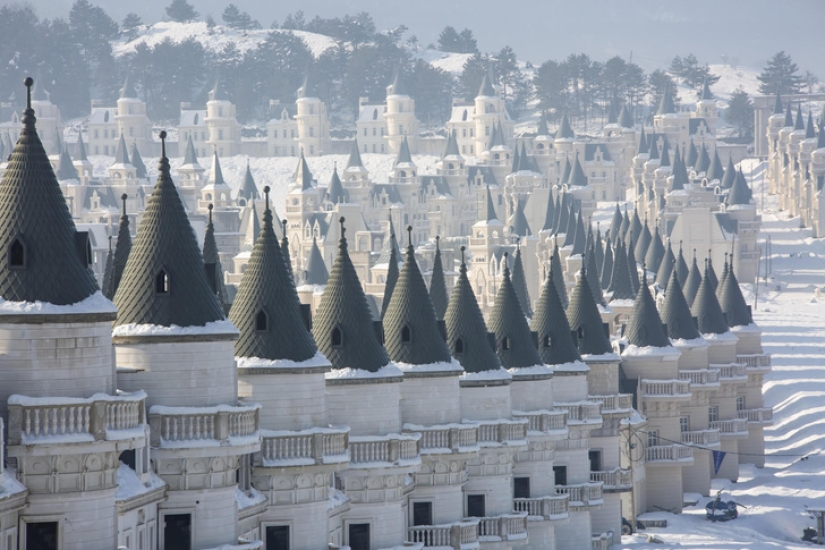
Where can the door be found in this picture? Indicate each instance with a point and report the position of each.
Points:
(177, 532)
(41, 536)
(422, 513)
(475, 506)
(359, 536)
(277, 537)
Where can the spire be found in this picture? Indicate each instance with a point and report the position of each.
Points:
(248, 190)
(810, 129)
(165, 282)
(607, 265)
(285, 250)
(354, 160)
(570, 229)
(542, 129)
(303, 176)
(335, 190)
(217, 91)
(730, 175)
(556, 346)
(616, 223)
(137, 162)
(709, 271)
(466, 332)
(80, 148)
(681, 267)
(128, 90)
(486, 88)
(676, 314)
(549, 213)
(316, 269)
(665, 267)
(190, 157)
(266, 309)
(643, 242)
(634, 229)
(107, 272)
(625, 118)
(715, 170)
(706, 308)
(620, 283)
(562, 208)
(491, 210)
(679, 171)
(580, 237)
(788, 117)
(565, 172)
(492, 141)
(625, 225)
(389, 245)
(645, 329)
(577, 176)
(514, 344)
(592, 273)
(396, 86)
(585, 320)
(706, 93)
(740, 193)
(693, 155)
(633, 268)
(666, 105)
(655, 252)
(599, 250)
(122, 156)
(518, 221)
(212, 263)
(122, 251)
(215, 173)
(65, 169)
(643, 147)
(519, 284)
(737, 312)
(38, 234)
(252, 229)
(703, 162)
(557, 275)
(653, 153)
(404, 153)
(438, 288)
(515, 167)
(665, 161)
(777, 106)
(452, 147)
(565, 131)
(691, 285)
(343, 326)
(392, 276)
(800, 122)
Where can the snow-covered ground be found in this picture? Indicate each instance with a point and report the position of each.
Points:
(793, 321)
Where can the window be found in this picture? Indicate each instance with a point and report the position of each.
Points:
(365, 131)
(17, 254)
(458, 346)
(505, 343)
(713, 413)
(161, 283)
(177, 531)
(740, 403)
(595, 458)
(311, 131)
(560, 474)
(359, 536)
(97, 134)
(42, 536)
(422, 513)
(548, 341)
(337, 337)
(261, 322)
(653, 438)
(475, 506)
(684, 424)
(521, 487)
(406, 335)
(220, 134)
(128, 457)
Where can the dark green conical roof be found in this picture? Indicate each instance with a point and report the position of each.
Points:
(520, 285)
(316, 272)
(810, 129)
(565, 171)
(625, 118)
(800, 122)
(737, 312)
(36, 228)
(570, 229)
(730, 175)
(711, 273)
(788, 116)
(248, 190)
(645, 326)
(404, 155)
(486, 88)
(777, 106)
(335, 190)
(580, 237)
(585, 320)
(392, 276)
(514, 343)
(557, 274)
(190, 157)
(542, 128)
(632, 265)
(490, 213)
(65, 169)
(607, 265)
(633, 230)
(121, 254)
(518, 221)
(466, 332)
(565, 131)
(666, 105)
(643, 242)
(665, 267)
(354, 160)
(122, 155)
(212, 261)
(137, 162)
(577, 176)
(411, 333)
(691, 284)
(343, 325)
(706, 93)
(643, 147)
(266, 309)
(616, 223)
(624, 227)
(679, 171)
(655, 252)
(107, 271)
(693, 154)
(715, 170)
(555, 342)
(549, 213)
(681, 267)
(620, 283)
(676, 313)
(438, 287)
(592, 271)
(563, 215)
(165, 282)
(707, 310)
(653, 153)
(740, 193)
(703, 162)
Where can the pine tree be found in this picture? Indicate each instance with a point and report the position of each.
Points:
(467, 42)
(181, 11)
(470, 80)
(449, 40)
(237, 19)
(740, 112)
(295, 21)
(551, 86)
(780, 75)
(130, 24)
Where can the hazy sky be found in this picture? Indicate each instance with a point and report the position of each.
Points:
(653, 30)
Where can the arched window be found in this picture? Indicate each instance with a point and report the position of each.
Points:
(161, 282)
(548, 341)
(505, 343)
(337, 337)
(261, 321)
(406, 335)
(458, 347)
(17, 254)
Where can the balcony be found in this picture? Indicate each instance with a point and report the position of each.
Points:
(602, 541)
(582, 413)
(702, 438)
(763, 415)
(544, 422)
(665, 389)
(509, 433)
(304, 448)
(669, 454)
(446, 439)
(459, 536)
(755, 363)
(50, 420)
(733, 372)
(552, 508)
(731, 429)
(386, 450)
(617, 480)
(703, 378)
(619, 405)
(507, 527)
(582, 495)
(199, 427)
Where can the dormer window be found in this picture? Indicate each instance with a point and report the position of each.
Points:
(337, 337)
(458, 347)
(548, 341)
(17, 255)
(406, 335)
(505, 343)
(261, 321)
(161, 282)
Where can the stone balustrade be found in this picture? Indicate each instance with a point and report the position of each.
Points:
(304, 448)
(390, 450)
(462, 535)
(507, 527)
(755, 362)
(41, 420)
(613, 481)
(502, 432)
(544, 422)
(582, 413)
(446, 439)
(702, 438)
(620, 403)
(222, 425)
(669, 453)
(665, 389)
(762, 415)
(736, 427)
(582, 495)
(731, 372)
(553, 507)
(602, 541)
(701, 377)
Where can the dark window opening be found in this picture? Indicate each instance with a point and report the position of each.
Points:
(521, 487)
(406, 336)
(505, 343)
(17, 254)
(548, 341)
(41, 536)
(595, 458)
(422, 513)
(177, 531)
(337, 337)
(458, 346)
(261, 322)
(560, 473)
(359, 536)
(580, 333)
(277, 537)
(162, 283)
(128, 457)
(475, 506)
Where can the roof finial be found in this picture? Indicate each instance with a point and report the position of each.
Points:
(283, 225)
(694, 254)
(341, 220)
(462, 254)
(409, 235)
(29, 82)
(518, 243)
(123, 197)
(680, 246)
(266, 195)
(163, 143)
(437, 243)
(209, 207)
(110, 243)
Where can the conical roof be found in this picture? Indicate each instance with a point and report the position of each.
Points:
(710, 272)
(706, 93)
(308, 87)
(800, 122)
(643, 147)
(715, 170)
(190, 157)
(623, 229)
(580, 238)
(633, 230)
(490, 213)
(666, 105)
(164, 282)
(65, 169)
(788, 117)
(643, 242)
(316, 269)
(466, 332)
(565, 131)
(625, 118)
(703, 162)
(285, 250)
(217, 93)
(645, 328)
(212, 262)
(577, 176)
(128, 90)
(80, 148)
(585, 320)
(411, 333)
(634, 270)
(740, 193)
(691, 284)
(519, 284)
(354, 160)
(493, 138)
(557, 275)
(404, 155)
(563, 201)
(266, 310)
(335, 190)
(556, 345)
(730, 175)
(248, 190)
(107, 271)
(549, 213)
(389, 245)
(397, 86)
(655, 252)
(665, 267)
(707, 310)
(653, 153)
(681, 267)
(121, 156)
(514, 167)
(514, 343)
(665, 160)
(122, 250)
(518, 221)
(679, 171)
(392, 276)
(438, 287)
(215, 172)
(810, 129)
(607, 266)
(343, 326)
(570, 229)
(693, 155)
(543, 130)
(137, 162)
(777, 106)
(616, 223)
(302, 175)
(565, 171)
(599, 250)
(451, 150)
(486, 88)
(592, 271)
(37, 233)
(676, 313)
(737, 312)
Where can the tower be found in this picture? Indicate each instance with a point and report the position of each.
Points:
(400, 117)
(311, 117)
(132, 122)
(221, 123)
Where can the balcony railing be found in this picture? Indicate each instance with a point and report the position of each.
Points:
(446, 439)
(554, 507)
(665, 389)
(391, 449)
(502, 432)
(204, 426)
(582, 494)
(459, 536)
(760, 362)
(544, 422)
(602, 541)
(582, 412)
(763, 415)
(507, 527)
(737, 427)
(304, 448)
(669, 453)
(35, 420)
(621, 403)
(731, 371)
(702, 377)
(701, 438)
(617, 479)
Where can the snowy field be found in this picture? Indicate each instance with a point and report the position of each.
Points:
(793, 321)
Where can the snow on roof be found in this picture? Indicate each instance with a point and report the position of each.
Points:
(129, 484)
(96, 303)
(318, 360)
(453, 366)
(389, 370)
(224, 326)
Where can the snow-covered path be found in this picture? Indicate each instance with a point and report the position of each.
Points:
(793, 321)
